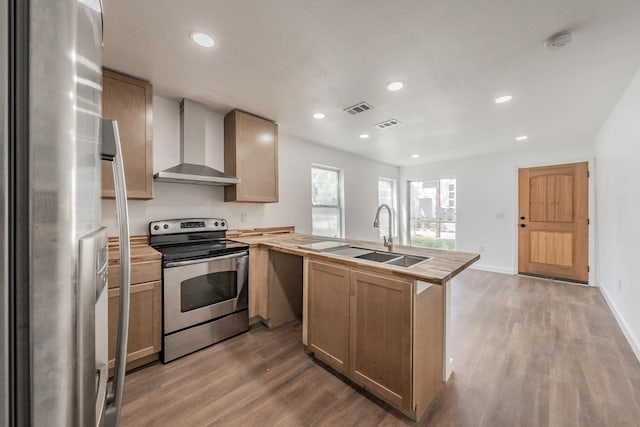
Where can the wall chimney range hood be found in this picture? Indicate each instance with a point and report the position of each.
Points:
(191, 169)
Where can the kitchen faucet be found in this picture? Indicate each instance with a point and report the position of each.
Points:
(388, 242)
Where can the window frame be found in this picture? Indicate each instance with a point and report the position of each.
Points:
(339, 206)
(394, 204)
(408, 206)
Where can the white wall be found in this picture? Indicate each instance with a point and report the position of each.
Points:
(486, 190)
(295, 159)
(618, 207)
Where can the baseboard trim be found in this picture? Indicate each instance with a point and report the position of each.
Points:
(492, 269)
(631, 339)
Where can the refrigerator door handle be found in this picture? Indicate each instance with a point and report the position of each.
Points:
(112, 150)
(103, 376)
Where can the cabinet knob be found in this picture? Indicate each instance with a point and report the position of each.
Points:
(522, 218)
(522, 225)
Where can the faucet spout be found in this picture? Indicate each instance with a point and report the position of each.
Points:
(388, 241)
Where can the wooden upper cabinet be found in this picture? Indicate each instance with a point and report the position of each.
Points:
(129, 101)
(251, 154)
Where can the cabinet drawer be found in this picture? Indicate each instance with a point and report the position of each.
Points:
(141, 272)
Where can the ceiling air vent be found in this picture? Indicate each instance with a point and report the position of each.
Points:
(360, 107)
(387, 123)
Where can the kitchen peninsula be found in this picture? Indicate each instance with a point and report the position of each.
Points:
(384, 326)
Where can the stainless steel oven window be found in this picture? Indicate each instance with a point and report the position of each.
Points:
(208, 289)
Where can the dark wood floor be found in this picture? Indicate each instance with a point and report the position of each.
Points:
(529, 352)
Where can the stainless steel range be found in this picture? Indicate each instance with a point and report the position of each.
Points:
(205, 279)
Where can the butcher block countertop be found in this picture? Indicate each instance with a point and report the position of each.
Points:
(442, 267)
(140, 250)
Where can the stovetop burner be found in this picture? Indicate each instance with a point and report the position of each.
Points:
(186, 239)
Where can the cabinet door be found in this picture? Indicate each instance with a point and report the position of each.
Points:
(128, 100)
(380, 341)
(145, 316)
(328, 290)
(251, 154)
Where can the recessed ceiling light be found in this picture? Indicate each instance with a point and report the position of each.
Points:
(318, 115)
(364, 136)
(414, 156)
(202, 39)
(522, 138)
(393, 86)
(503, 99)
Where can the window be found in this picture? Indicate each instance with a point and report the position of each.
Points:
(432, 213)
(326, 201)
(387, 195)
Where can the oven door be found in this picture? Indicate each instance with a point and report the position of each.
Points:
(201, 290)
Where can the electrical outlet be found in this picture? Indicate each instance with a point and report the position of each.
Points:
(481, 250)
(500, 215)
(243, 217)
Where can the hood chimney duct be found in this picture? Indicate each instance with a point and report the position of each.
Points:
(191, 169)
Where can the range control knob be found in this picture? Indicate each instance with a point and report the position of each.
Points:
(222, 223)
(166, 226)
(156, 227)
(215, 223)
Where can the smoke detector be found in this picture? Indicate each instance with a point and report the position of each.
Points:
(559, 40)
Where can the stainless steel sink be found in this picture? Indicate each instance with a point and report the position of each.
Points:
(392, 258)
(407, 260)
(379, 256)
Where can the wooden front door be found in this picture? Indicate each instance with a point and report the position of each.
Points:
(553, 227)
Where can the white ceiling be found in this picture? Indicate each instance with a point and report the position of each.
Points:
(286, 59)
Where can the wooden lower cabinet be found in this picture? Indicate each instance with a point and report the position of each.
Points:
(145, 322)
(258, 285)
(328, 290)
(384, 333)
(380, 336)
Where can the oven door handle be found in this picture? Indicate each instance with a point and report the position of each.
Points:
(203, 260)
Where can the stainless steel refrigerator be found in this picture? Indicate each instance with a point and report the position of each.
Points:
(53, 250)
